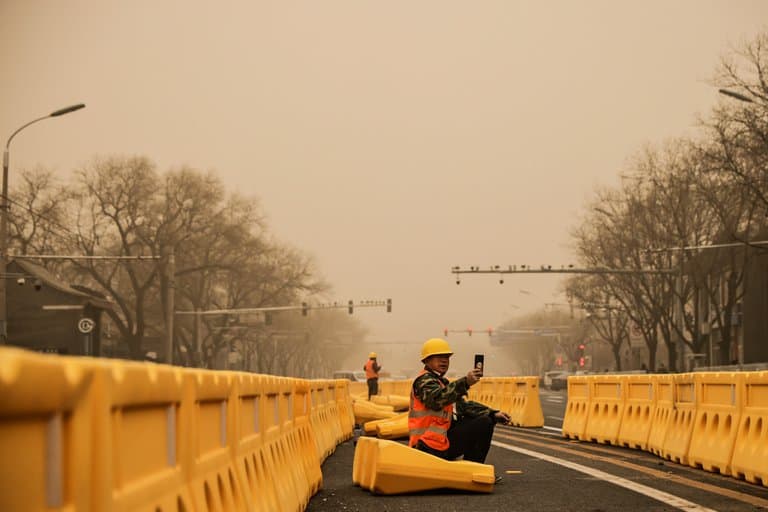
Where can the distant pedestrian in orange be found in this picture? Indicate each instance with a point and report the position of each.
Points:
(372, 374)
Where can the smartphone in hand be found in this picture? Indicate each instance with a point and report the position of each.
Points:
(479, 362)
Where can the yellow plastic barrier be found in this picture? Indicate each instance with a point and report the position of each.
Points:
(143, 446)
(358, 388)
(640, 406)
(577, 409)
(366, 411)
(334, 420)
(303, 436)
(277, 450)
(397, 469)
(254, 464)
(678, 438)
(517, 396)
(370, 427)
(303, 483)
(398, 402)
(320, 418)
(393, 387)
(344, 405)
(396, 428)
(485, 392)
(720, 399)
(663, 412)
(363, 462)
(95, 434)
(45, 432)
(750, 453)
(606, 405)
(525, 407)
(211, 419)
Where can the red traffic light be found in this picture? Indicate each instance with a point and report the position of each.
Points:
(581, 361)
(469, 330)
(445, 332)
(581, 347)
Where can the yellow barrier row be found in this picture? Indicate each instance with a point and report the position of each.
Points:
(88, 434)
(517, 396)
(714, 421)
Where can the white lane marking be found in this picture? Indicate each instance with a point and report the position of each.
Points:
(559, 430)
(655, 494)
(551, 434)
(558, 418)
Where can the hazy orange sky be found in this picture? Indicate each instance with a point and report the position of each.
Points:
(390, 140)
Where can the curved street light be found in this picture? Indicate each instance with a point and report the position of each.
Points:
(4, 217)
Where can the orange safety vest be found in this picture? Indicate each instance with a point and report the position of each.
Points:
(428, 425)
(370, 373)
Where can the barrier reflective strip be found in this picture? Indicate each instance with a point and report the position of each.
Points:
(54, 491)
(170, 435)
(223, 424)
(256, 414)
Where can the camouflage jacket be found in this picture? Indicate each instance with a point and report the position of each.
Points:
(428, 389)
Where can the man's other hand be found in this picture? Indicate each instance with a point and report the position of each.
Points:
(502, 417)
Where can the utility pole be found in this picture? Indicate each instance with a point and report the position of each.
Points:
(169, 269)
(4, 206)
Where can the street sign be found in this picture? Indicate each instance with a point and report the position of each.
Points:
(85, 325)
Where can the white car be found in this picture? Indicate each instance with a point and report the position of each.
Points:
(559, 375)
(354, 376)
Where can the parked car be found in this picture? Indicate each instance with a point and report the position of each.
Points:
(549, 376)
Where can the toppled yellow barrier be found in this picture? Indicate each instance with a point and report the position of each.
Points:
(388, 467)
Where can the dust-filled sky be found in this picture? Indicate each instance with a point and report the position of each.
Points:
(391, 140)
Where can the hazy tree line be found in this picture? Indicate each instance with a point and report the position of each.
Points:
(706, 190)
(683, 193)
(225, 258)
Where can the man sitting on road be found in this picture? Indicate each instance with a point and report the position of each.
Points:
(441, 422)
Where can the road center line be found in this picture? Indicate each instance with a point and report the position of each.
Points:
(655, 494)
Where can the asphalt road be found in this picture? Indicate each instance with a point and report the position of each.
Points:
(554, 474)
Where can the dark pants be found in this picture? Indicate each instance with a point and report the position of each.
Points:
(373, 387)
(470, 437)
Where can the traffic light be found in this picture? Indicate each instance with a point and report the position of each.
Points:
(389, 305)
(581, 361)
(559, 361)
(469, 330)
(350, 307)
(445, 332)
(304, 309)
(490, 331)
(581, 354)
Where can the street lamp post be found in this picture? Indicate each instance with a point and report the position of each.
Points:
(4, 219)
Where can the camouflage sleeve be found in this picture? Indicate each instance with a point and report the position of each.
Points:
(430, 391)
(472, 409)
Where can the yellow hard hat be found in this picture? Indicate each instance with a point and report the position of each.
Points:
(435, 347)
(372, 355)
